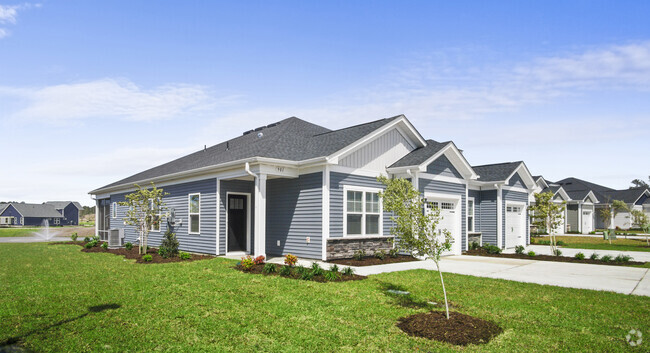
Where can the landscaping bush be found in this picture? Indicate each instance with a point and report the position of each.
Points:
(290, 260)
(623, 258)
(259, 260)
(88, 245)
(270, 268)
(86, 239)
(316, 270)
(557, 252)
(474, 246)
(531, 253)
(606, 258)
(359, 255)
(247, 263)
(519, 249)
(560, 243)
(334, 268)
(128, 246)
(348, 271)
(300, 269)
(307, 276)
(184, 255)
(74, 236)
(394, 252)
(285, 271)
(147, 257)
(169, 245)
(580, 256)
(380, 254)
(492, 249)
(332, 276)
(594, 256)
(104, 245)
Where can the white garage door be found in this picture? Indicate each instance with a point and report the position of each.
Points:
(515, 225)
(560, 229)
(449, 216)
(587, 222)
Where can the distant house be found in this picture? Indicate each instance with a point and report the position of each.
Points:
(69, 210)
(28, 214)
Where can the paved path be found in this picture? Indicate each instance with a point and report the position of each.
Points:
(620, 279)
(643, 256)
(31, 239)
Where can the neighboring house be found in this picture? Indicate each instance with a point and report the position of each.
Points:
(27, 214)
(500, 198)
(636, 199)
(296, 187)
(581, 211)
(69, 210)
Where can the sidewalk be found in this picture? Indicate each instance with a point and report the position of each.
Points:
(643, 256)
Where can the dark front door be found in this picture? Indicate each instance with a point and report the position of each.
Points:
(237, 222)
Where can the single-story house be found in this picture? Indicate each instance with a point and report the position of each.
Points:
(27, 214)
(560, 196)
(69, 210)
(581, 212)
(296, 187)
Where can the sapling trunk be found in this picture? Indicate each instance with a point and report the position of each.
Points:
(444, 291)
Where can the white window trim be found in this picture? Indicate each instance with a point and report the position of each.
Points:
(362, 189)
(473, 214)
(190, 214)
(159, 219)
(114, 210)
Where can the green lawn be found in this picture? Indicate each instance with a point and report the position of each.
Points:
(208, 306)
(599, 243)
(17, 232)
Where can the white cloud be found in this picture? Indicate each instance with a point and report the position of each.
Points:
(9, 15)
(110, 98)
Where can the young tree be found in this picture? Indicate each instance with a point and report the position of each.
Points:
(145, 208)
(547, 214)
(641, 220)
(414, 227)
(609, 213)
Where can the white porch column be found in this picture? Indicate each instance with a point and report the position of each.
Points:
(580, 218)
(260, 215)
(96, 217)
(499, 216)
(326, 211)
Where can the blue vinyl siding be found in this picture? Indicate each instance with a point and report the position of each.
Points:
(427, 185)
(516, 181)
(642, 200)
(337, 180)
(178, 199)
(294, 211)
(486, 214)
(11, 211)
(509, 195)
(70, 215)
(241, 186)
(442, 166)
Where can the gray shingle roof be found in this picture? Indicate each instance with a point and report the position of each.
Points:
(582, 187)
(290, 139)
(420, 155)
(3, 206)
(626, 195)
(496, 172)
(63, 204)
(36, 210)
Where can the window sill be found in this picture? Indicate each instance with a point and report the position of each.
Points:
(367, 236)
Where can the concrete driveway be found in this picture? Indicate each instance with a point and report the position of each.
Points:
(620, 279)
(643, 256)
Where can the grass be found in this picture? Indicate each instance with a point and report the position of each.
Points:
(59, 299)
(620, 232)
(17, 232)
(620, 244)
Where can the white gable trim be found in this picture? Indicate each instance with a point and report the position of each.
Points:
(562, 193)
(452, 153)
(526, 176)
(590, 196)
(645, 192)
(543, 181)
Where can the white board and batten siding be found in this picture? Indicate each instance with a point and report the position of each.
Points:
(379, 153)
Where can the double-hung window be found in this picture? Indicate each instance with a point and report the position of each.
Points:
(155, 222)
(195, 213)
(470, 215)
(363, 212)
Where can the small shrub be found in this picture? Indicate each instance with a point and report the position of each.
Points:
(88, 245)
(380, 254)
(334, 268)
(86, 239)
(104, 245)
(316, 270)
(580, 256)
(348, 271)
(96, 238)
(557, 252)
(147, 257)
(285, 271)
(606, 258)
(531, 253)
(623, 258)
(247, 263)
(359, 255)
(493, 249)
(290, 260)
(301, 270)
(270, 268)
(74, 236)
(519, 249)
(594, 256)
(259, 260)
(332, 276)
(184, 255)
(560, 243)
(474, 246)
(394, 252)
(307, 276)
(169, 245)
(128, 246)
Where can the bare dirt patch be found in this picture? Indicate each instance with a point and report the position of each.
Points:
(369, 260)
(459, 329)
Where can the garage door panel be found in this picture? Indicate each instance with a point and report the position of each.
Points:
(515, 225)
(449, 213)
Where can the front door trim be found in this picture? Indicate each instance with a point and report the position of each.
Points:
(248, 219)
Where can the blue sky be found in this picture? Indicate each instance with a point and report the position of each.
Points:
(91, 92)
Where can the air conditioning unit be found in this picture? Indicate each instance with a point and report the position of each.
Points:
(115, 237)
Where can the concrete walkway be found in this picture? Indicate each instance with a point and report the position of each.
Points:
(31, 239)
(620, 279)
(643, 256)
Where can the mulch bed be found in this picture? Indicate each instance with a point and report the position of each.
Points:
(133, 253)
(482, 252)
(370, 260)
(459, 329)
(259, 270)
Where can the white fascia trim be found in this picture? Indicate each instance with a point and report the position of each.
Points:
(334, 157)
(527, 176)
(452, 153)
(645, 192)
(354, 171)
(441, 178)
(590, 196)
(514, 188)
(10, 204)
(563, 193)
(325, 211)
(543, 180)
